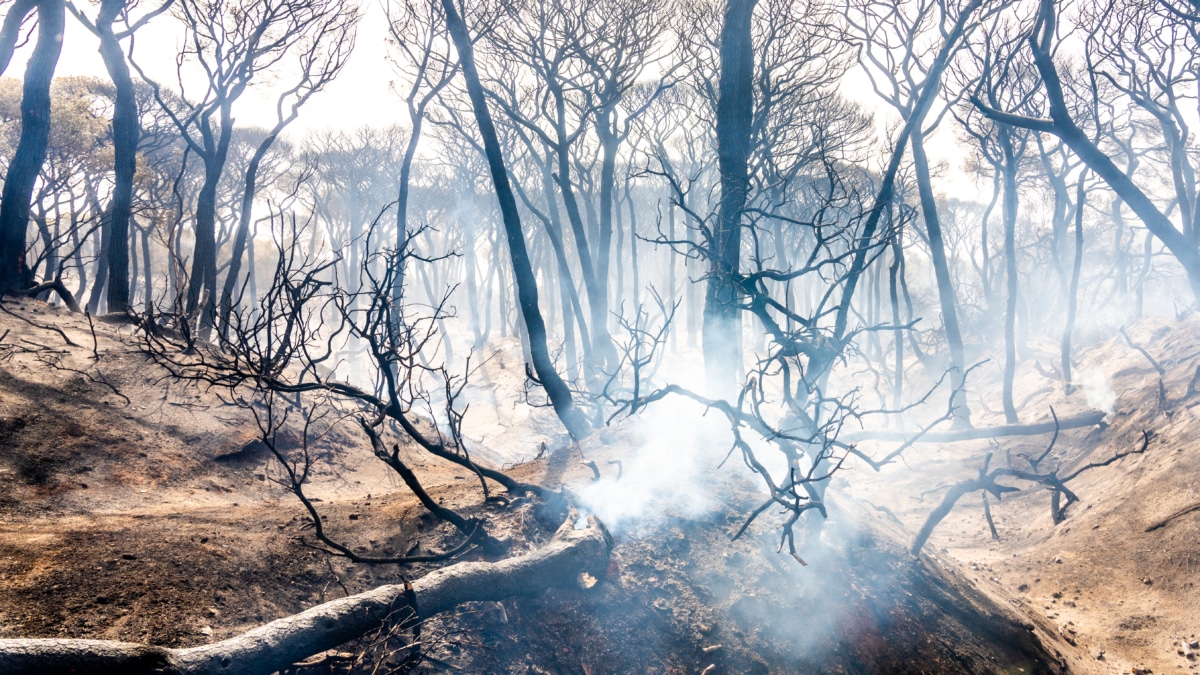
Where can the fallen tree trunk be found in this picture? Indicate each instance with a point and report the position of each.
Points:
(1087, 419)
(279, 644)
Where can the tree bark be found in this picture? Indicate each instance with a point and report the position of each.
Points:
(941, 271)
(27, 162)
(125, 139)
(735, 111)
(277, 645)
(204, 256)
(526, 282)
(242, 235)
(1010, 256)
(1073, 289)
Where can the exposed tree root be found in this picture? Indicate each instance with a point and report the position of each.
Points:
(279, 644)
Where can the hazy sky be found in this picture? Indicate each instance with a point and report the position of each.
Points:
(360, 95)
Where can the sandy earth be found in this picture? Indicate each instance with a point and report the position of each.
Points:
(139, 509)
(1108, 586)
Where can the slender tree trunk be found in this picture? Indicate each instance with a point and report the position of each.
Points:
(204, 257)
(501, 289)
(43, 228)
(1010, 254)
(77, 257)
(93, 303)
(556, 389)
(470, 270)
(147, 272)
(242, 234)
(1058, 221)
(608, 164)
(251, 267)
(941, 272)
(568, 328)
(633, 253)
(692, 290)
(1073, 291)
(27, 161)
(898, 332)
(125, 139)
(554, 232)
(671, 284)
(602, 345)
(133, 271)
(410, 151)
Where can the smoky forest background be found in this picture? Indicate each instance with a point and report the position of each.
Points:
(840, 229)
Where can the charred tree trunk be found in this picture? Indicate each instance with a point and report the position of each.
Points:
(242, 235)
(1073, 290)
(93, 303)
(1010, 255)
(735, 110)
(204, 257)
(27, 162)
(608, 164)
(147, 273)
(526, 283)
(125, 139)
(894, 272)
(941, 271)
(572, 307)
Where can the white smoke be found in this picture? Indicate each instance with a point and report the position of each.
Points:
(672, 471)
(1098, 389)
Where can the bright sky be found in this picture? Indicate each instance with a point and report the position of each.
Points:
(361, 94)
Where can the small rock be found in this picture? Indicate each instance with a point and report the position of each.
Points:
(1058, 559)
(1022, 588)
(1194, 644)
(1148, 581)
(353, 516)
(1100, 655)
(1142, 670)
(128, 556)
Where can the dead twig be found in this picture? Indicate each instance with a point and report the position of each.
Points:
(53, 329)
(1138, 348)
(95, 343)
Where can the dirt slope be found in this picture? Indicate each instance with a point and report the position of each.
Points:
(1120, 597)
(181, 537)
